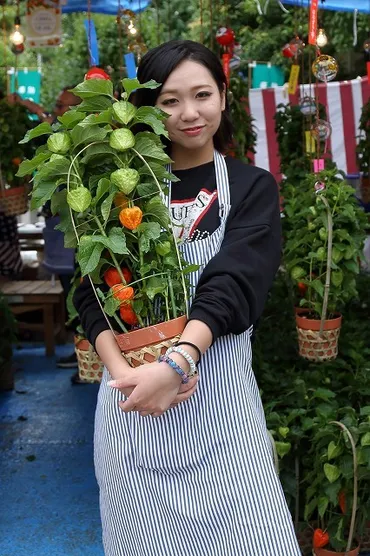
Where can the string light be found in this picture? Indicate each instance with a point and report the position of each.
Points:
(321, 39)
(131, 28)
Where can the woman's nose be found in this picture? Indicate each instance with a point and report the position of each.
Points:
(189, 112)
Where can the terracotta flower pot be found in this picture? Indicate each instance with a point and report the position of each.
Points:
(325, 552)
(90, 366)
(312, 345)
(146, 344)
(14, 201)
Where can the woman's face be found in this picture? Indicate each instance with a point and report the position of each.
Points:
(194, 103)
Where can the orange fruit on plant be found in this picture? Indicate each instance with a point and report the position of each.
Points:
(131, 217)
(122, 292)
(127, 314)
(112, 277)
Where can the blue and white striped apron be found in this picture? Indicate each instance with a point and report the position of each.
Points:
(199, 480)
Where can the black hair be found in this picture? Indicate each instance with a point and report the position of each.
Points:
(161, 61)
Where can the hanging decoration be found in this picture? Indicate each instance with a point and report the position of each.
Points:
(16, 37)
(44, 23)
(321, 39)
(96, 73)
(127, 19)
(308, 106)
(321, 130)
(325, 68)
(225, 37)
(294, 48)
(312, 33)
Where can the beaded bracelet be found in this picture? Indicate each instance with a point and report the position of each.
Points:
(175, 367)
(176, 349)
(193, 346)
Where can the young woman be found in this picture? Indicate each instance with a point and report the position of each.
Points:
(188, 469)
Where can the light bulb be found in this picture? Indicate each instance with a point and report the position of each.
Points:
(16, 37)
(321, 39)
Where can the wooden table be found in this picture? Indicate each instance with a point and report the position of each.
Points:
(45, 295)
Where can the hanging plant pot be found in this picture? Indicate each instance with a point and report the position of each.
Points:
(325, 552)
(313, 344)
(145, 345)
(14, 201)
(90, 366)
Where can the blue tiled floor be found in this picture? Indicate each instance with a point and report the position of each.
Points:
(48, 492)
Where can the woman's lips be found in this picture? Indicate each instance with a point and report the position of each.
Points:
(193, 131)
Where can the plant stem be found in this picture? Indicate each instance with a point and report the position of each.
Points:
(118, 268)
(170, 287)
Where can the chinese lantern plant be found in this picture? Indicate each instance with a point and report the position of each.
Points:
(323, 248)
(338, 489)
(107, 179)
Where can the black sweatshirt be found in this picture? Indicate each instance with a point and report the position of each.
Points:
(233, 286)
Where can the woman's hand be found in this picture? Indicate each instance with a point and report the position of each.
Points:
(155, 387)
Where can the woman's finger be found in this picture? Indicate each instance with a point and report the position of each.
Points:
(185, 396)
(186, 387)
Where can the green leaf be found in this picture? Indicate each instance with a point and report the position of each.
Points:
(116, 241)
(352, 266)
(153, 117)
(130, 85)
(41, 129)
(104, 117)
(322, 505)
(82, 134)
(95, 104)
(332, 472)
(309, 508)
(102, 189)
(323, 394)
(88, 255)
(148, 147)
(106, 207)
(284, 431)
(95, 150)
(79, 199)
(71, 118)
(365, 410)
(159, 171)
(190, 268)
(93, 88)
(283, 448)
(124, 111)
(111, 306)
(52, 170)
(148, 231)
(163, 248)
(28, 166)
(42, 193)
(156, 208)
(365, 440)
(154, 286)
(333, 450)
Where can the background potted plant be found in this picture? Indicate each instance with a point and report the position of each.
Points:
(8, 329)
(107, 179)
(14, 122)
(323, 246)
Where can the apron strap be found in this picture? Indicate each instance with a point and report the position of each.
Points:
(223, 189)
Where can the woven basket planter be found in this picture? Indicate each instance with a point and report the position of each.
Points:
(313, 345)
(145, 345)
(14, 201)
(90, 366)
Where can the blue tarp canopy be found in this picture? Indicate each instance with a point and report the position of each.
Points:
(104, 6)
(337, 5)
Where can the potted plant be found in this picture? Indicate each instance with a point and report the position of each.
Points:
(323, 247)
(107, 178)
(8, 328)
(338, 493)
(14, 122)
(363, 153)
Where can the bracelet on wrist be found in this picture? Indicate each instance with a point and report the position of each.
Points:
(177, 349)
(175, 367)
(183, 343)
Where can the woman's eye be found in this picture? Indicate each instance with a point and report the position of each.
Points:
(203, 94)
(169, 101)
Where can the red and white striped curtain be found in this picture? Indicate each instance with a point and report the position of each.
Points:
(343, 101)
